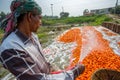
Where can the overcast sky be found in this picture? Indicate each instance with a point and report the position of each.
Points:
(74, 7)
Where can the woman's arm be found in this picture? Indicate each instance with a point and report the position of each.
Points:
(24, 68)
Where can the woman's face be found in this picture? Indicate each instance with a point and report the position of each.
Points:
(35, 22)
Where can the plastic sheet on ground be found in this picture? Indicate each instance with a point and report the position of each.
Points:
(95, 47)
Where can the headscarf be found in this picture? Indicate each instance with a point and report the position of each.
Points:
(17, 8)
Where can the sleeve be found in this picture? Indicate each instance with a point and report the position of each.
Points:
(24, 68)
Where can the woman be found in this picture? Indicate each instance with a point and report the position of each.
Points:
(21, 52)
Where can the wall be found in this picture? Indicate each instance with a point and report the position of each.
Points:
(112, 26)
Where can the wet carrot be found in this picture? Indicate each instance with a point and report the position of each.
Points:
(99, 56)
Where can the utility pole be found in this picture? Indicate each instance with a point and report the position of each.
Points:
(116, 4)
(52, 9)
(62, 9)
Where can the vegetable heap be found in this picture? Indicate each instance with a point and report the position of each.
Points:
(94, 48)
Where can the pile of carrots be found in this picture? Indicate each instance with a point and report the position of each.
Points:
(101, 55)
(73, 35)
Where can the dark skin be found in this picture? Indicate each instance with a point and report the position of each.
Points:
(30, 23)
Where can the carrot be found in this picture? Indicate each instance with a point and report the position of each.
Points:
(100, 54)
(70, 36)
(73, 35)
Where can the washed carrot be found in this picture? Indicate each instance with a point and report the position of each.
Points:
(73, 35)
(91, 42)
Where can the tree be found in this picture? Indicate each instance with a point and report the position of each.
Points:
(64, 14)
(111, 10)
(117, 10)
(86, 11)
(2, 15)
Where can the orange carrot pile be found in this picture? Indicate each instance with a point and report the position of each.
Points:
(73, 35)
(70, 36)
(101, 55)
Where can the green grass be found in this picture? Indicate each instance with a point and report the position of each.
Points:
(100, 20)
(3, 71)
(44, 34)
(92, 20)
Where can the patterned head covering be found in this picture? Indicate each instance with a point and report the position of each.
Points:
(18, 7)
